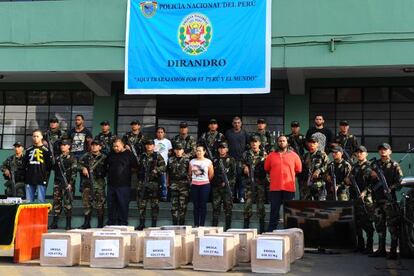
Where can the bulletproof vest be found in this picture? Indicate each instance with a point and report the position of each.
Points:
(148, 164)
(106, 140)
(54, 137)
(359, 172)
(218, 174)
(265, 140)
(212, 140)
(340, 171)
(136, 141)
(178, 168)
(17, 165)
(67, 166)
(99, 170)
(258, 162)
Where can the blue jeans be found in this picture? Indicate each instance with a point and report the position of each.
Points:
(200, 195)
(31, 191)
(164, 190)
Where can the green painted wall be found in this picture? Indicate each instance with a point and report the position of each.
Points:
(297, 109)
(89, 35)
(104, 109)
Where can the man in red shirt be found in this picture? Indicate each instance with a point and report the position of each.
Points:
(282, 165)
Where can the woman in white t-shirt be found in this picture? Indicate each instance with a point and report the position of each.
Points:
(201, 172)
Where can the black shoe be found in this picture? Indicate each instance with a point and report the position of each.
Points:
(369, 246)
(393, 251)
(227, 224)
(141, 225)
(100, 221)
(54, 224)
(246, 223)
(154, 223)
(68, 223)
(360, 245)
(87, 222)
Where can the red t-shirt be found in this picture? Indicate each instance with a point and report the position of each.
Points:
(283, 167)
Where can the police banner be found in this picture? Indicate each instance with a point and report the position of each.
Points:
(198, 47)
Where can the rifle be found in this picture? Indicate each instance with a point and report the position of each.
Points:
(91, 173)
(309, 181)
(251, 176)
(382, 180)
(134, 151)
(355, 184)
(332, 168)
(63, 173)
(51, 147)
(12, 176)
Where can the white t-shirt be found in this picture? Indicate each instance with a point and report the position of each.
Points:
(163, 147)
(199, 171)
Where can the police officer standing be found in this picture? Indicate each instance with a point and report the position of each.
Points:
(53, 135)
(65, 172)
(361, 172)
(151, 166)
(296, 139)
(105, 137)
(255, 182)
(212, 138)
(187, 141)
(338, 171)
(179, 184)
(222, 194)
(386, 211)
(92, 168)
(315, 164)
(346, 140)
(13, 171)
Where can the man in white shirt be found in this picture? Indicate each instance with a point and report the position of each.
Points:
(164, 147)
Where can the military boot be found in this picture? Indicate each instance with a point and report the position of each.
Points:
(381, 252)
(68, 223)
(54, 224)
(227, 224)
(154, 222)
(393, 255)
(261, 226)
(87, 222)
(141, 225)
(100, 221)
(360, 244)
(369, 245)
(246, 223)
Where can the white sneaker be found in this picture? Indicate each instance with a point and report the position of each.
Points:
(242, 200)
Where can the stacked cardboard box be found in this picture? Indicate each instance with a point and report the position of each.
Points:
(162, 250)
(86, 239)
(270, 254)
(110, 250)
(187, 241)
(60, 249)
(243, 251)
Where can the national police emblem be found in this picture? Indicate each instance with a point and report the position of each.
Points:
(148, 8)
(194, 34)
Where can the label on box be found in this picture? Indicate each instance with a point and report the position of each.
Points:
(107, 233)
(162, 233)
(56, 248)
(106, 248)
(158, 249)
(269, 249)
(211, 246)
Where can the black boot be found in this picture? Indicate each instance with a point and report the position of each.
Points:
(175, 221)
(227, 224)
(100, 221)
(215, 222)
(154, 222)
(87, 222)
(54, 224)
(381, 252)
(181, 221)
(360, 244)
(261, 226)
(246, 223)
(370, 244)
(68, 223)
(141, 225)
(393, 251)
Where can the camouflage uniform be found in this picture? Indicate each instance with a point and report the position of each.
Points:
(15, 165)
(189, 143)
(55, 137)
(221, 194)
(314, 162)
(106, 141)
(149, 192)
(267, 140)
(138, 141)
(213, 140)
(363, 219)
(349, 143)
(93, 195)
(297, 143)
(179, 188)
(386, 211)
(60, 193)
(342, 169)
(257, 160)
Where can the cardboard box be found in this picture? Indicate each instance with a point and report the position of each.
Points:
(298, 243)
(60, 249)
(270, 254)
(291, 237)
(162, 252)
(86, 240)
(179, 229)
(149, 229)
(214, 253)
(198, 232)
(212, 229)
(243, 252)
(122, 228)
(136, 248)
(252, 230)
(110, 250)
(236, 244)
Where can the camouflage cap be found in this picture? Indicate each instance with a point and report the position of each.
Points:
(362, 149)
(54, 120)
(213, 121)
(384, 146)
(66, 142)
(96, 142)
(294, 124)
(183, 125)
(178, 146)
(18, 144)
(223, 145)
(149, 142)
(312, 139)
(255, 138)
(105, 123)
(261, 121)
(135, 122)
(337, 149)
(344, 123)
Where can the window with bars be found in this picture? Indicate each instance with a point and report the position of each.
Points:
(375, 114)
(169, 111)
(21, 112)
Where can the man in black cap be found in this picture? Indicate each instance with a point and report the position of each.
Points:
(188, 142)
(212, 138)
(267, 138)
(13, 171)
(346, 140)
(105, 137)
(151, 167)
(177, 169)
(53, 135)
(65, 176)
(361, 172)
(386, 212)
(296, 139)
(92, 168)
(221, 193)
(323, 134)
(339, 169)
